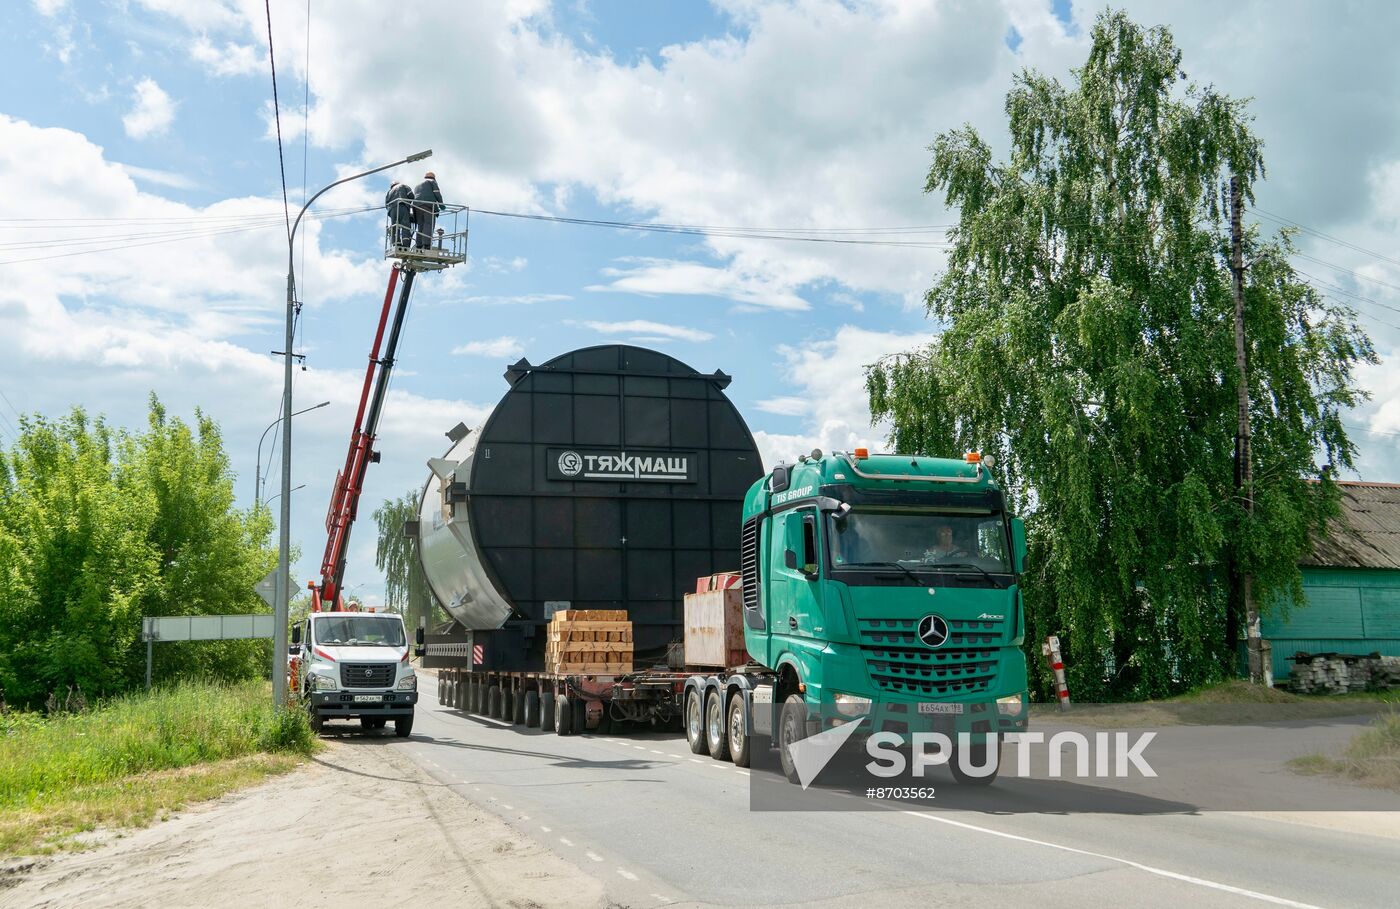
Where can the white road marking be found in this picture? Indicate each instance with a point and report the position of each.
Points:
(654, 751)
(1160, 872)
(487, 719)
(546, 829)
(696, 761)
(524, 817)
(664, 899)
(566, 841)
(743, 773)
(639, 747)
(594, 856)
(627, 874)
(507, 807)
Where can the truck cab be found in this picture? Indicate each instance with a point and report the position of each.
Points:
(886, 587)
(355, 665)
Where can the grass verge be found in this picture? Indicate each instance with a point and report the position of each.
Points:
(137, 758)
(1227, 704)
(1371, 759)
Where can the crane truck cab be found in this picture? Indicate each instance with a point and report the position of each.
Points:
(355, 665)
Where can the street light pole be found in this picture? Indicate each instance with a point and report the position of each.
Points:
(257, 468)
(284, 537)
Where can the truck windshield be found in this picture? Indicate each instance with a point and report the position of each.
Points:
(360, 629)
(920, 540)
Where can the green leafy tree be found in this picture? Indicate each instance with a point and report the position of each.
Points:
(1089, 346)
(99, 527)
(405, 587)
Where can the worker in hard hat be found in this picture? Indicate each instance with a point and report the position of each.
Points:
(398, 202)
(427, 202)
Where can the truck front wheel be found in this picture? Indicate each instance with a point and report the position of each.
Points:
(715, 730)
(318, 722)
(403, 726)
(695, 724)
(738, 738)
(792, 728)
(978, 754)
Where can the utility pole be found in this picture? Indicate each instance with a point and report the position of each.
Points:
(1244, 472)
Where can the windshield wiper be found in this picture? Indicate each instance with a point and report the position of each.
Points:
(904, 568)
(958, 565)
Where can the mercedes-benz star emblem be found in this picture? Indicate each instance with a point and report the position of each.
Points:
(933, 630)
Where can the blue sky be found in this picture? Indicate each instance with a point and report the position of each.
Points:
(808, 114)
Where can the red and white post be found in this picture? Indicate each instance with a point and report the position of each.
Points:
(1051, 649)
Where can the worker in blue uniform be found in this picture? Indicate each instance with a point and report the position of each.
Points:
(399, 203)
(427, 202)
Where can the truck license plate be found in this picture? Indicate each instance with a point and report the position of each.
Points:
(927, 707)
(368, 698)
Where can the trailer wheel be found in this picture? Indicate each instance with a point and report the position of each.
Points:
(507, 705)
(532, 708)
(493, 702)
(519, 698)
(605, 720)
(547, 711)
(979, 758)
(738, 738)
(563, 715)
(716, 733)
(471, 701)
(695, 724)
(580, 715)
(792, 728)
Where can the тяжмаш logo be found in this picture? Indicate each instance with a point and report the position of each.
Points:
(570, 463)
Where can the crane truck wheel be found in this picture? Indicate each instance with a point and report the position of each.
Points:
(563, 715)
(493, 702)
(978, 758)
(695, 724)
(518, 697)
(532, 708)
(547, 711)
(370, 722)
(403, 726)
(507, 705)
(716, 733)
(792, 728)
(738, 738)
(318, 722)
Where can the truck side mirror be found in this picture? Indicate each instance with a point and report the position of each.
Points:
(1018, 544)
(418, 642)
(296, 635)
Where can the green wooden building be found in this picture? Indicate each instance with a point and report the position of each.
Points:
(1351, 583)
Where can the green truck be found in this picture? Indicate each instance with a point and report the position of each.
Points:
(880, 589)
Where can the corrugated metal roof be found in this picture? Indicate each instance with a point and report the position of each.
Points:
(1367, 532)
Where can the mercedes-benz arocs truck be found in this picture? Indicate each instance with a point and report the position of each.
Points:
(875, 587)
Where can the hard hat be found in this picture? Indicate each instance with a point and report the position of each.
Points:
(430, 176)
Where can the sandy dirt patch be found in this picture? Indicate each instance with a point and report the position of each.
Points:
(361, 824)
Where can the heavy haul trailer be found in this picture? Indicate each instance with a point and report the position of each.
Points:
(882, 585)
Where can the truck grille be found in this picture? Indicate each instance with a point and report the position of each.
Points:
(748, 563)
(902, 664)
(366, 675)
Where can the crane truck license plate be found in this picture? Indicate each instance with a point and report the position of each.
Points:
(368, 698)
(927, 707)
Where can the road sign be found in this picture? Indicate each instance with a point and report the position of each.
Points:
(267, 588)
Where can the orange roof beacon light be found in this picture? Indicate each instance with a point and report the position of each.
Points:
(862, 454)
(974, 457)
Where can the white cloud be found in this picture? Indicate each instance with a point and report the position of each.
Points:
(159, 177)
(50, 7)
(831, 376)
(654, 277)
(516, 299)
(230, 60)
(151, 113)
(652, 330)
(494, 347)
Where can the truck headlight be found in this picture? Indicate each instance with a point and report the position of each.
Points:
(407, 683)
(1011, 705)
(324, 683)
(850, 704)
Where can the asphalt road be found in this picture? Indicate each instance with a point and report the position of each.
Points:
(660, 826)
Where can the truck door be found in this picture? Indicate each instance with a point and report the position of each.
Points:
(797, 608)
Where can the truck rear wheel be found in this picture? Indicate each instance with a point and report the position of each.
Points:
(493, 702)
(532, 708)
(716, 733)
(738, 738)
(792, 728)
(518, 697)
(403, 725)
(547, 711)
(563, 715)
(580, 715)
(507, 705)
(695, 724)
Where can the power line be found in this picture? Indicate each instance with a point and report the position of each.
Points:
(277, 116)
(1341, 290)
(1317, 233)
(1377, 432)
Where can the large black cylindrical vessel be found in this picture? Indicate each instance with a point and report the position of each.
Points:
(608, 478)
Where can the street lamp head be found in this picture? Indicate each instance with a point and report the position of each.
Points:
(420, 156)
(319, 406)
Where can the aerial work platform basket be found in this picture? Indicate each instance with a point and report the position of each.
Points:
(445, 248)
